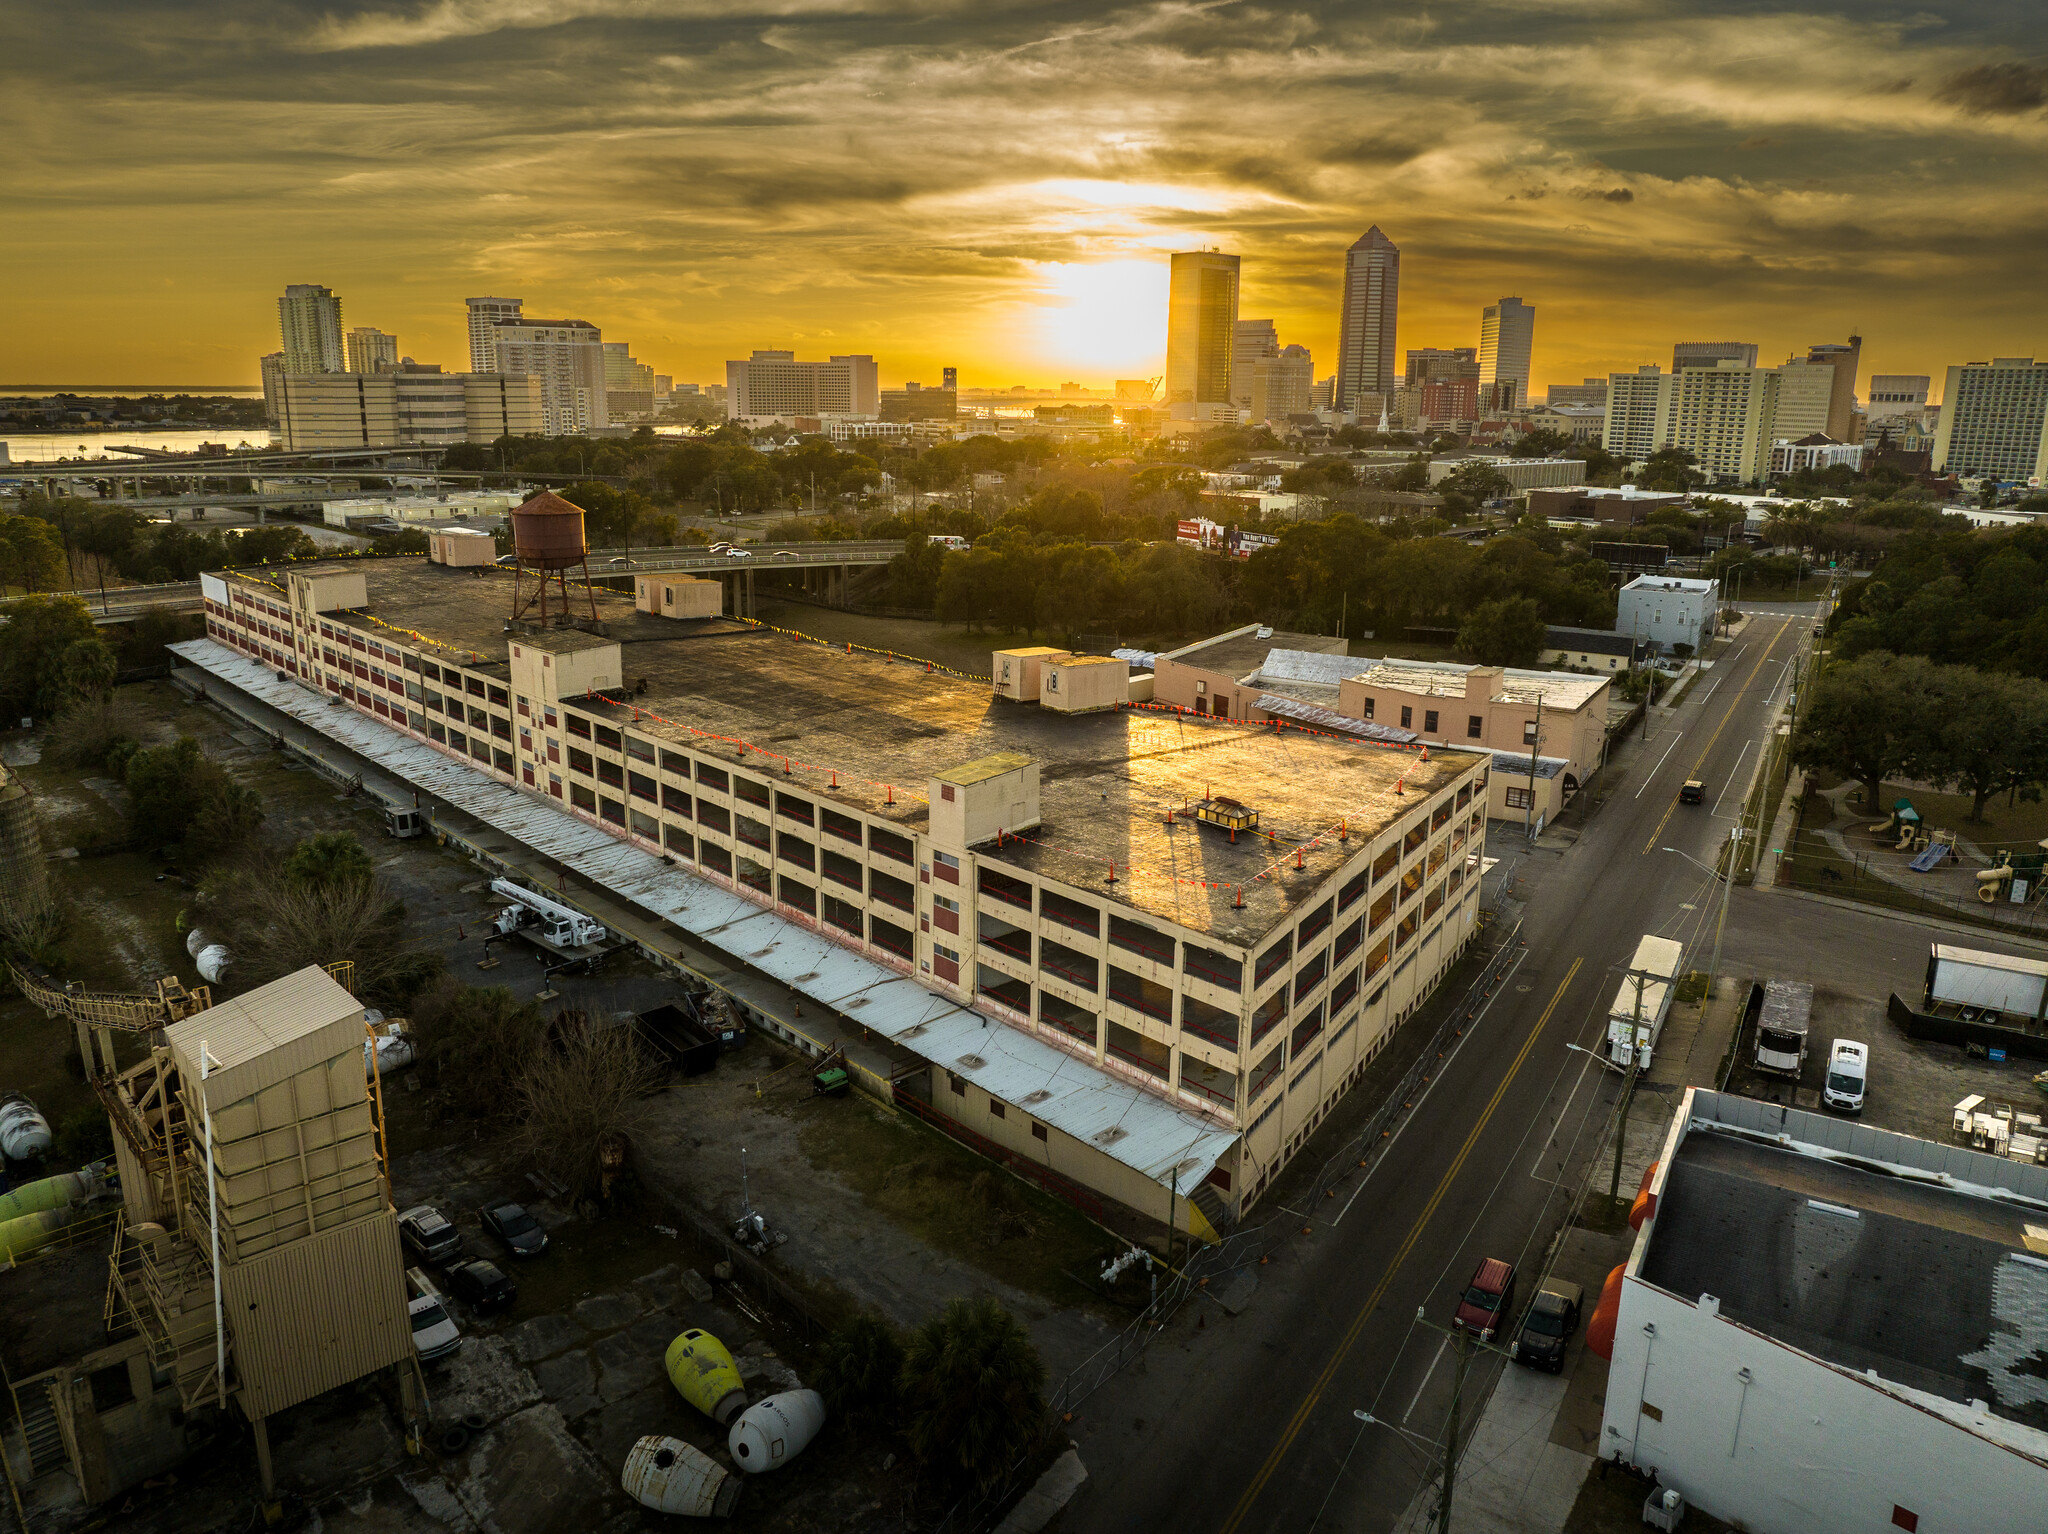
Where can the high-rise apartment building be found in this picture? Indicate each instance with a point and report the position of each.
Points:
(1201, 334)
(1844, 359)
(628, 382)
(1252, 342)
(1507, 337)
(1994, 420)
(1440, 388)
(1372, 305)
(1896, 394)
(1707, 354)
(774, 385)
(1273, 388)
(1804, 405)
(410, 406)
(371, 350)
(484, 315)
(272, 366)
(949, 378)
(567, 356)
(1727, 416)
(309, 317)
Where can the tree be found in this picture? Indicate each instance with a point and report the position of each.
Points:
(182, 801)
(52, 657)
(280, 924)
(580, 1099)
(1990, 733)
(1505, 633)
(1870, 719)
(1544, 442)
(329, 858)
(478, 1040)
(971, 1386)
(859, 1371)
(31, 556)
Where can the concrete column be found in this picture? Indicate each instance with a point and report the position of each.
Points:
(750, 593)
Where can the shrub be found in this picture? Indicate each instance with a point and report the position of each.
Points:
(98, 732)
(971, 1384)
(859, 1371)
(479, 1040)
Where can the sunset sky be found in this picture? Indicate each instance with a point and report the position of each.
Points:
(996, 185)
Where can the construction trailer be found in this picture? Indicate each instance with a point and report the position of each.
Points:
(255, 1261)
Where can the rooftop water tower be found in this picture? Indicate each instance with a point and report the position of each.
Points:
(547, 539)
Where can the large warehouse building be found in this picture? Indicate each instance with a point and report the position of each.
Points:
(1830, 1328)
(1193, 933)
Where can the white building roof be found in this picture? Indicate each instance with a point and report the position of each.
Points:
(1670, 583)
(1133, 1126)
(1309, 666)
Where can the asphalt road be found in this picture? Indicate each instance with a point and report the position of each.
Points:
(1253, 1430)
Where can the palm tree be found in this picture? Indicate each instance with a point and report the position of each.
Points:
(971, 1387)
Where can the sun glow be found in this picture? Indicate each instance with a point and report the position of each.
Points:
(1108, 318)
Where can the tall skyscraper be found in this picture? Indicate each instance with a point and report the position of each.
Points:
(1893, 395)
(484, 314)
(1706, 354)
(628, 382)
(371, 350)
(1994, 420)
(773, 384)
(567, 356)
(309, 316)
(1845, 359)
(1252, 341)
(1507, 337)
(1201, 333)
(1727, 416)
(1372, 306)
(949, 378)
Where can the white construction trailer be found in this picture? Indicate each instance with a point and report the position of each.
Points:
(1637, 1015)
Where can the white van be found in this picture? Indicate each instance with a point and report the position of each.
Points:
(1848, 1075)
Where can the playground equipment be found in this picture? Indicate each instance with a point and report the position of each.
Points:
(1903, 828)
(1992, 883)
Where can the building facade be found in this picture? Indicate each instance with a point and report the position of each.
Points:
(413, 407)
(1845, 358)
(309, 318)
(1893, 395)
(1366, 328)
(371, 350)
(1994, 420)
(1668, 611)
(628, 383)
(1507, 340)
(773, 385)
(272, 368)
(483, 317)
(1727, 414)
(1187, 1036)
(1592, 392)
(1201, 335)
(567, 357)
(914, 402)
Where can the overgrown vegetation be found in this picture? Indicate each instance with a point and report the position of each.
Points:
(581, 1098)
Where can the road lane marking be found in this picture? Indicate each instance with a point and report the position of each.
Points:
(1731, 773)
(1427, 1376)
(1651, 844)
(1379, 1290)
(1651, 776)
(1437, 1075)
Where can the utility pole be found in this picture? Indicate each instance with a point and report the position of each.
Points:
(1464, 1344)
(1628, 1086)
(1535, 743)
(1727, 884)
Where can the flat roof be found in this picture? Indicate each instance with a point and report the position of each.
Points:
(870, 731)
(1241, 651)
(261, 1037)
(1139, 1128)
(1849, 1260)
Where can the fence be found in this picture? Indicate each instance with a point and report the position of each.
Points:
(1817, 865)
(750, 1274)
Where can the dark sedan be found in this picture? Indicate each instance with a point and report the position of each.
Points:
(482, 1286)
(520, 1231)
(1548, 1325)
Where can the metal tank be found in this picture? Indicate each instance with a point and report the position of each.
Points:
(547, 532)
(670, 1476)
(770, 1433)
(21, 842)
(24, 1132)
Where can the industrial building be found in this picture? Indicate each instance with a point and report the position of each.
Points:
(1192, 936)
(1831, 1328)
(254, 1258)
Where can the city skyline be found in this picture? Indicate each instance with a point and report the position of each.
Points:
(230, 152)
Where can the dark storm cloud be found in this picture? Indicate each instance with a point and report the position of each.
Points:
(2000, 89)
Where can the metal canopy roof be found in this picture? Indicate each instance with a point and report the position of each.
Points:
(1330, 719)
(1311, 666)
(1135, 1127)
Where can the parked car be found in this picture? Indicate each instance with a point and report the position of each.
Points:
(520, 1231)
(428, 1234)
(1692, 791)
(482, 1286)
(1848, 1076)
(434, 1332)
(1487, 1299)
(1548, 1325)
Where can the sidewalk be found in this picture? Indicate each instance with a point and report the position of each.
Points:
(1534, 1442)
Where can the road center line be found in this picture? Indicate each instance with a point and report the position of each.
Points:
(1350, 1338)
(1651, 844)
